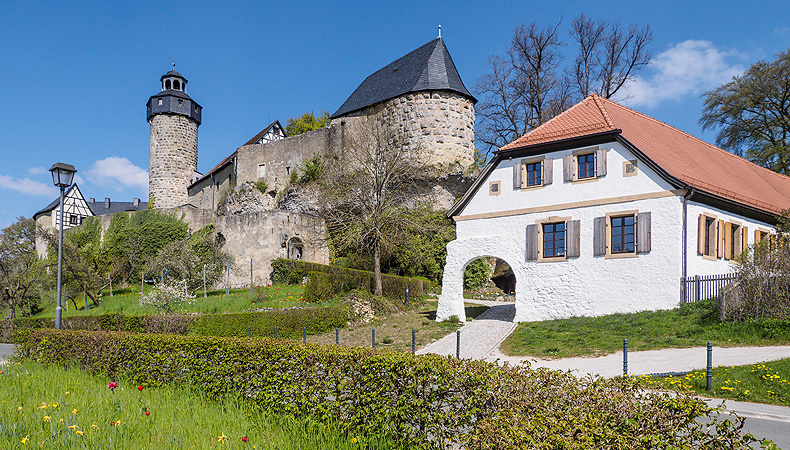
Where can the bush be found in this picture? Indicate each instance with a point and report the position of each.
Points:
(343, 280)
(165, 296)
(421, 401)
(289, 322)
(477, 274)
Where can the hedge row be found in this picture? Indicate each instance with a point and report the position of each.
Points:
(341, 280)
(289, 323)
(422, 401)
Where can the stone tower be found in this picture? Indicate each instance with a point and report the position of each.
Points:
(172, 163)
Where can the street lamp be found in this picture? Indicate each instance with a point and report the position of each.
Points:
(62, 176)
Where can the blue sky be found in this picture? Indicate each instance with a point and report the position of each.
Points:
(75, 78)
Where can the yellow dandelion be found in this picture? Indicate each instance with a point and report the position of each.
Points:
(25, 440)
(354, 440)
(61, 421)
(73, 427)
(46, 418)
(54, 405)
(67, 392)
(222, 438)
(74, 411)
(95, 427)
(79, 432)
(19, 409)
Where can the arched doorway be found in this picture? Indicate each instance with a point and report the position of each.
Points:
(295, 248)
(460, 253)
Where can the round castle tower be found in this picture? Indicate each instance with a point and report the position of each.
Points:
(172, 163)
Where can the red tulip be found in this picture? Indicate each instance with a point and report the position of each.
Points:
(148, 413)
(244, 439)
(139, 388)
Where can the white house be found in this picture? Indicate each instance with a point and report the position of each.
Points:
(603, 209)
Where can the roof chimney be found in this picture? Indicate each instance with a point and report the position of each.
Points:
(136, 202)
(107, 202)
(91, 200)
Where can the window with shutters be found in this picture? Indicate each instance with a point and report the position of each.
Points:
(533, 173)
(622, 234)
(735, 240)
(584, 165)
(760, 234)
(553, 239)
(710, 237)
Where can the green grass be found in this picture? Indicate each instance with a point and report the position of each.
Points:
(127, 301)
(393, 331)
(688, 326)
(760, 383)
(54, 407)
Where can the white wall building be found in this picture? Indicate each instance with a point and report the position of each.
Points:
(603, 209)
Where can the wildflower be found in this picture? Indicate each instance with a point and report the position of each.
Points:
(112, 424)
(148, 413)
(353, 440)
(25, 440)
(61, 421)
(54, 405)
(112, 386)
(95, 427)
(79, 432)
(222, 438)
(43, 405)
(244, 439)
(67, 392)
(1, 372)
(74, 411)
(73, 426)
(19, 409)
(139, 388)
(46, 418)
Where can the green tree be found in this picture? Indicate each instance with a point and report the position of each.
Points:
(752, 113)
(21, 272)
(306, 122)
(423, 251)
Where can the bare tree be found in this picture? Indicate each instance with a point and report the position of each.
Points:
(21, 273)
(366, 199)
(530, 86)
(520, 91)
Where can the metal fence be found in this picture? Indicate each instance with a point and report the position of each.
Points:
(697, 288)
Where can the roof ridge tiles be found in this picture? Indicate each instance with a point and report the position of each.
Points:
(597, 98)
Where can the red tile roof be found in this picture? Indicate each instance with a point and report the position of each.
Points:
(683, 156)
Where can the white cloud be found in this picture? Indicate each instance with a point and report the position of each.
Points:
(27, 186)
(37, 170)
(689, 68)
(114, 170)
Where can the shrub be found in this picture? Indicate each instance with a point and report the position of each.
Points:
(289, 322)
(166, 296)
(312, 169)
(477, 274)
(421, 401)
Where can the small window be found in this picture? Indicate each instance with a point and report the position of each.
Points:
(176, 84)
(494, 188)
(553, 240)
(586, 166)
(533, 174)
(261, 170)
(73, 219)
(159, 102)
(623, 234)
(180, 102)
(167, 84)
(709, 233)
(629, 168)
(735, 240)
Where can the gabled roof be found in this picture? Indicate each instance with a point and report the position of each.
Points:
(258, 136)
(682, 159)
(428, 68)
(97, 208)
(216, 168)
(55, 203)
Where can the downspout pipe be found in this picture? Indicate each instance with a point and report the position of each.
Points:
(684, 253)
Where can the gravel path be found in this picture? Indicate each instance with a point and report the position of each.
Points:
(480, 337)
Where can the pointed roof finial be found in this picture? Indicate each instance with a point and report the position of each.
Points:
(174, 63)
(440, 30)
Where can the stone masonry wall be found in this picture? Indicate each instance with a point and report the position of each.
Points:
(173, 159)
(439, 126)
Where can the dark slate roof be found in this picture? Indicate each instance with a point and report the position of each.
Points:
(172, 73)
(428, 68)
(171, 93)
(98, 208)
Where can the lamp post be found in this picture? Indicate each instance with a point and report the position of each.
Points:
(62, 176)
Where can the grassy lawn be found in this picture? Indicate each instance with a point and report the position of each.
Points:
(127, 301)
(394, 331)
(760, 383)
(687, 326)
(53, 407)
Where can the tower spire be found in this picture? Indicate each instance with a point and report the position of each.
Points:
(174, 60)
(440, 30)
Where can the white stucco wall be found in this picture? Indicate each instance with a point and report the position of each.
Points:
(495, 225)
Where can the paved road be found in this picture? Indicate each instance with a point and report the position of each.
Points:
(5, 351)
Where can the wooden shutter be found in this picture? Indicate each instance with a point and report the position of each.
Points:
(744, 238)
(532, 242)
(567, 168)
(599, 236)
(548, 171)
(600, 162)
(517, 175)
(756, 236)
(720, 239)
(572, 239)
(701, 235)
(728, 240)
(643, 244)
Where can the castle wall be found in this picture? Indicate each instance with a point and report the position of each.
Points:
(208, 193)
(173, 159)
(439, 126)
(282, 157)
